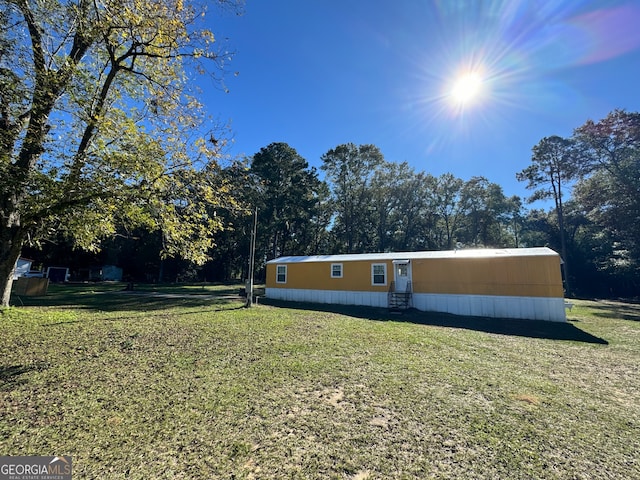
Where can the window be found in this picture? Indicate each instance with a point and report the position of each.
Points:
(379, 274)
(336, 270)
(403, 269)
(281, 274)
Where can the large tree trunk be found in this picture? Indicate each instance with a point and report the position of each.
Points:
(11, 240)
(48, 85)
(563, 247)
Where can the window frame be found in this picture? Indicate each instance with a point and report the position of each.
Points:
(373, 274)
(278, 274)
(341, 266)
(402, 269)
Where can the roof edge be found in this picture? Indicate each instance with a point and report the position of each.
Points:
(466, 253)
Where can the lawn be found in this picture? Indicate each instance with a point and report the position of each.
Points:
(188, 384)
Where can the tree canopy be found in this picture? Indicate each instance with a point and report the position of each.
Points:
(611, 195)
(287, 201)
(98, 127)
(555, 163)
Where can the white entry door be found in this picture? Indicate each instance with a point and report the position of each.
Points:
(402, 274)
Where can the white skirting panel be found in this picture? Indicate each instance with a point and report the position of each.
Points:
(530, 308)
(339, 297)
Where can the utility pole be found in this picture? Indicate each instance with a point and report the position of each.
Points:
(252, 258)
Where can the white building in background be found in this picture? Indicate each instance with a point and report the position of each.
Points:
(23, 267)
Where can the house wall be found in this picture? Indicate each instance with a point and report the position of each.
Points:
(495, 306)
(528, 286)
(317, 276)
(537, 276)
(334, 297)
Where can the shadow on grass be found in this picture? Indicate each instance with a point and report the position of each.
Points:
(613, 309)
(112, 300)
(10, 376)
(502, 326)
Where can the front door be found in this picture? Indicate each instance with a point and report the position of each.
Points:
(402, 275)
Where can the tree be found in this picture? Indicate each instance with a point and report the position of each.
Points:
(415, 216)
(383, 203)
(96, 125)
(403, 217)
(540, 228)
(350, 170)
(555, 164)
(485, 209)
(288, 196)
(513, 219)
(230, 257)
(320, 240)
(610, 194)
(446, 198)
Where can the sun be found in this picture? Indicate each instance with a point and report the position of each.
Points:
(467, 89)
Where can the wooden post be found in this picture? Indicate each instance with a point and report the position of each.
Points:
(252, 258)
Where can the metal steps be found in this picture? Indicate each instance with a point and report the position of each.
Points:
(399, 300)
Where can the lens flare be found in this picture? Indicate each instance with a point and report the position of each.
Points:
(467, 89)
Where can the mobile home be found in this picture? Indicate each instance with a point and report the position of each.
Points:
(521, 283)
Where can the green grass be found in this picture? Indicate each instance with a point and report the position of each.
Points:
(115, 296)
(194, 386)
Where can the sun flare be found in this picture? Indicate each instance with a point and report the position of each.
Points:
(467, 88)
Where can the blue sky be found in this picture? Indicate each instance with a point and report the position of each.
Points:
(319, 73)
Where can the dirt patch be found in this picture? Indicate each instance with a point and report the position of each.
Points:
(332, 396)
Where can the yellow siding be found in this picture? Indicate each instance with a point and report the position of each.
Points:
(530, 276)
(533, 276)
(356, 276)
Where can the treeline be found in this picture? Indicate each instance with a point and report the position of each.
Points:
(360, 202)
